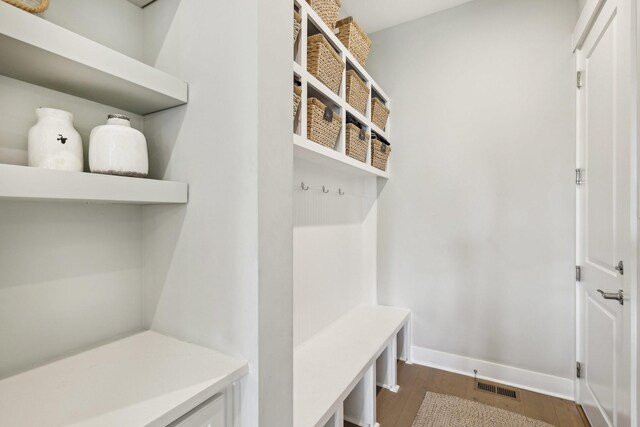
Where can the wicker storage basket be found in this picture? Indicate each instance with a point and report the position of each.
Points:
(324, 63)
(323, 125)
(357, 142)
(379, 113)
(357, 92)
(31, 6)
(379, 154)
(297, 24)
(297, 97)
(327, 10)
(354, 38)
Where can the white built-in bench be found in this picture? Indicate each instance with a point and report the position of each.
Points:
(147, 379)
(337, 370)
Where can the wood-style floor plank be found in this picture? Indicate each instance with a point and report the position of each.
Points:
(567, 413)
(399, 409)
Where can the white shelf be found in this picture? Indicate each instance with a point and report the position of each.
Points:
(27, 183)
(379, 131)
(144, 380)
(318, 86)
(39, 52)
(316, 153)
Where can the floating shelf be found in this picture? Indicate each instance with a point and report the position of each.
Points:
(319, 154)
(28, 183)
(42, 53)
(147, 379)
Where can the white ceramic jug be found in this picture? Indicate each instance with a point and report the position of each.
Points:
(54, 143)
(118, 149)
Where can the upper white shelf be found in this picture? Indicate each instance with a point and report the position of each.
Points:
(319, 154)
(29, 183)
(145, 380)
(39, 52)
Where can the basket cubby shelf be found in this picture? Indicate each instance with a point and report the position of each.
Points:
(39, 52)
(312, 87)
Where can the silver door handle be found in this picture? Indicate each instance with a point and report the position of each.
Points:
(618, 296)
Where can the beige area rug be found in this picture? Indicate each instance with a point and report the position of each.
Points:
(441, 410)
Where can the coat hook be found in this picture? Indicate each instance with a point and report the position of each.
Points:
(340, 192)
(303, 187)
(324, 190)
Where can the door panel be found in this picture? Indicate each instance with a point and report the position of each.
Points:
(603, 215)
(600, 150)
(600, 354)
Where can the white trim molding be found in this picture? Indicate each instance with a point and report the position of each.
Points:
(585, 22)
(515, 377)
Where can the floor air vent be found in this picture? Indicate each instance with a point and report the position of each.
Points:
(497, 389)
(506, 392)
(486, 387)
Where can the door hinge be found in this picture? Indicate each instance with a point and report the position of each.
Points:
(620, 268)
(578, 273)
(579, 79)
(579, 176)
(578, 370)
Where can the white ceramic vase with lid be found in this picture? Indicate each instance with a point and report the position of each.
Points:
(118, 149)
(54, 143)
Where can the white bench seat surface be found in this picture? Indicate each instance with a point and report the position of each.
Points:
(147, 379)
(327, 366)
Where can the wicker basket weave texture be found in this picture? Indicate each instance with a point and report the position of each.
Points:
(297, 97)
(355, 39)
(327, 10)
(379, 113)
(319, 130)
(324, 63)
(297, 24)
(356, 147)
(379, 158)
(357, 92)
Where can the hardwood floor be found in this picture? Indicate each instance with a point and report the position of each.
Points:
(399, 409)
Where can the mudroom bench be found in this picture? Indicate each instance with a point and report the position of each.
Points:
(336, 371)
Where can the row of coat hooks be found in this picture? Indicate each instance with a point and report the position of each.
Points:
(325, 190)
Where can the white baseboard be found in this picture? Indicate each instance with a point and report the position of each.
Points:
(515, 377)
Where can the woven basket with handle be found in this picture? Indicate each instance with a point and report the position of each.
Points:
(31, 6)
(357, 92)
(354, 38)
(379, 154)
(327, 10)
(379, 113)
(357, 142)
(324, 63)
(297, 24)
(323, 124)
(297, 97)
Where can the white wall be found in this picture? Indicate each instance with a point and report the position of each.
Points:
(71, 273)
(334, 246)
(218, 271)
(581, 4)
(113, 23)
(476, 225)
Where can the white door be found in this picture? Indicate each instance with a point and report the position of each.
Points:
(604, 217)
